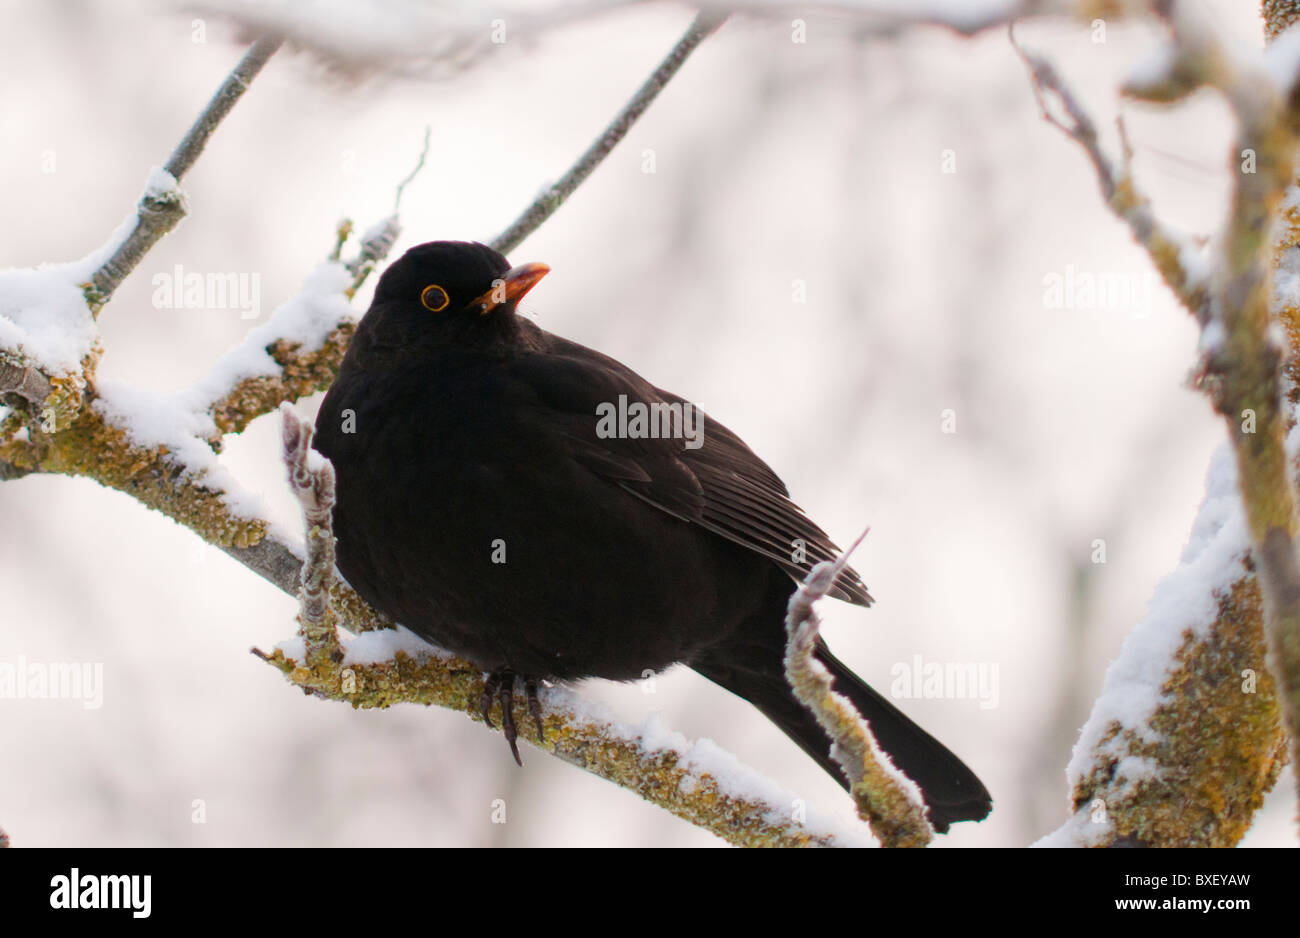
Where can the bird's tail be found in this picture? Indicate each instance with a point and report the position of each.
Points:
(951, 791)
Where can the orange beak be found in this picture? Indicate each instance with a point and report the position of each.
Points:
(510, 287)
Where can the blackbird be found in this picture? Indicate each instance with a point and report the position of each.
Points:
(543, 511)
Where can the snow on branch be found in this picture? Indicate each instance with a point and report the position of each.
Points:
(163, 204)
(886, 798)
(698, 782)
(1187, 737)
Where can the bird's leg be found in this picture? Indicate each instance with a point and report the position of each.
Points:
(490, 687)
(500, 685)
(534, 706)
(507, 697)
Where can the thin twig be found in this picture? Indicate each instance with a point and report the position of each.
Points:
(546, 204)
(162, 206)
(1118, 187)
(401, 186)
(896, 817)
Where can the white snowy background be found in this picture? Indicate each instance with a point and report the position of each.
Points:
(774, 162)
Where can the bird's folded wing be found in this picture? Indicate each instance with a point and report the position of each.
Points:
(721, 486)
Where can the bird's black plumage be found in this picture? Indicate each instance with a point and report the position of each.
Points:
(463, 435)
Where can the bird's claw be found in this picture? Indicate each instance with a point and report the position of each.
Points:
(500, 686)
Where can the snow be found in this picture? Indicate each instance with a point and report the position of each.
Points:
(44, 317)
(1081, 830)
(162, 186)
(1282, 60)
(1194, 259)
(1286, 281)
(383, 645)
(43, 312)
(1153, 68)
(305, 320)
(385, 232)
(179, 420)
(1212, 336)
(1184, 600)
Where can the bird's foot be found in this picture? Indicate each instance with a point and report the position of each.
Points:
(500, 685)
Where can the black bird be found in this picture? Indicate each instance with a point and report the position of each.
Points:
(483, 504)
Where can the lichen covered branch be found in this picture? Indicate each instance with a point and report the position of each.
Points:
(1196, 770)
(669, 773)
(883, 799)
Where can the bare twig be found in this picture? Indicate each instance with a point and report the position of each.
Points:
(896, 817)
(415, 171)
(162, 205)
(546, 204)
(311, 477)
(272, 560)
(1118, 187)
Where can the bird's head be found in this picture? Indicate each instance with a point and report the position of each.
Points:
(459, 290)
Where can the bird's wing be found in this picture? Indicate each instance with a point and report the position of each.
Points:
(722, 486)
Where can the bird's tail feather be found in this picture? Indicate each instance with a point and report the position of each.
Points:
(951, 790)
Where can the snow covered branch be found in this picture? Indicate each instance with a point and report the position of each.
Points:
(885, 798)
(162, 206)
(698, 782)
(1187, 735)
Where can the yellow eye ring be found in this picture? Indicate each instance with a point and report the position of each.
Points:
(434, 298)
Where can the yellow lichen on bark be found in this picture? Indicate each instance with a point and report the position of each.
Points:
(300, 375)
(656, 775)
(93, 448)
(1220, 746)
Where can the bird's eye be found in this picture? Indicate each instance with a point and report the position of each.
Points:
(434, 298)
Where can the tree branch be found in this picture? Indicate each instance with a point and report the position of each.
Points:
(1166, 249)
(662, 775)
(1156, 787)
(693, 781)
(19, 378)
(549, 201)
(162, 204)
(885, 798)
